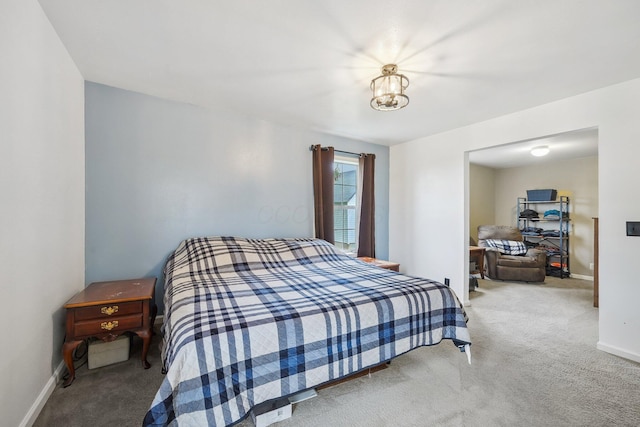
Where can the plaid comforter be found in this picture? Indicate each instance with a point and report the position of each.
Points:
(507, 247)
(248, 320)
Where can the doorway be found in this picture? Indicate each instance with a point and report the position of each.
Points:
(498, 176)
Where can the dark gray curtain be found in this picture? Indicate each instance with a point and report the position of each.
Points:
(366, 231)
(323, 192)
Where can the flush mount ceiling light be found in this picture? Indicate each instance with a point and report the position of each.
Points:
(540, 151)
(388, 90)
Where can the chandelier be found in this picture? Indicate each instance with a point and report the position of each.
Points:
(388, 90)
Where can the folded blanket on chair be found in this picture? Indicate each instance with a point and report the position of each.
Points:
(507, 247)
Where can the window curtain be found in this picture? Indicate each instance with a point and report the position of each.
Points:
(366, 228)
(323, 178)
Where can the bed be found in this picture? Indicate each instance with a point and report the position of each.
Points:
(251, 320)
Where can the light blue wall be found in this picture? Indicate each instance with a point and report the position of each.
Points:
(159, 171)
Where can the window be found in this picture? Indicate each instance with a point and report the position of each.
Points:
(344, 203)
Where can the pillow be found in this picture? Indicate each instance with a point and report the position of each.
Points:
(235, 254)
(507, 247)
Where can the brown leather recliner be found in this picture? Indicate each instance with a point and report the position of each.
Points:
(530, 267)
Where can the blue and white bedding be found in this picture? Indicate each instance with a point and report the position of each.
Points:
(507, 247)
(247, 321)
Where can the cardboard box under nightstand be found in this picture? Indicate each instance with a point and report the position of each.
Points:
(107, 353)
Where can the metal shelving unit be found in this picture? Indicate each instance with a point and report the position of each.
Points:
(557, 247)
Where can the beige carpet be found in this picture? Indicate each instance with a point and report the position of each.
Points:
(534, 364)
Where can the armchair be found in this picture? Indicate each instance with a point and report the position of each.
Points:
(528, 267)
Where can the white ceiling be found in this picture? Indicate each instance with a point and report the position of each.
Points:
(580, 143)
(308, 64)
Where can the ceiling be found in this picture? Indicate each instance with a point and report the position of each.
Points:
(308, 64)
(569, 145)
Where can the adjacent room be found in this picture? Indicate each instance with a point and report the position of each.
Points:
(261, 213)
(502, 178)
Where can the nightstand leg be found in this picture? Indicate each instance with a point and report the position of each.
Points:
(67, 353)
(146, 341)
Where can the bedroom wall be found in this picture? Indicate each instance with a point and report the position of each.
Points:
(42, 215)
(432, 240)
(160, 171)
(576, 178)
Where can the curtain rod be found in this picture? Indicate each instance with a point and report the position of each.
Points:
(338, 151)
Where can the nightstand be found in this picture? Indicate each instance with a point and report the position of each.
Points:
(106, 310)
(393, 266)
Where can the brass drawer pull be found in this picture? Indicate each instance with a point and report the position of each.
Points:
(109, 325)
(109, 310)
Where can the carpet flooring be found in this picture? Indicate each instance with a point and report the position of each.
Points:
(534, 363)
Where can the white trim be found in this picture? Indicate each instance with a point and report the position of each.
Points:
(33, 412)
(351, 160)
(35, 409)
(618, 351)
(581, 277)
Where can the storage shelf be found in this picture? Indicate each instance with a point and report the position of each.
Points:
(555, 243)
(534, 202)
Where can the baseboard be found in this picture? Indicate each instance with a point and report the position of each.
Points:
(31, 416)
(581, 276)
(616, 351)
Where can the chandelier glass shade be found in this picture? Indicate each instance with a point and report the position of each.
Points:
(389, 90)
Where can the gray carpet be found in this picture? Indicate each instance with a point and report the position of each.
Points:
(534, 364)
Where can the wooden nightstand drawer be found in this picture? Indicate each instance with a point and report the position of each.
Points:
(106, 311)
(113, 324)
